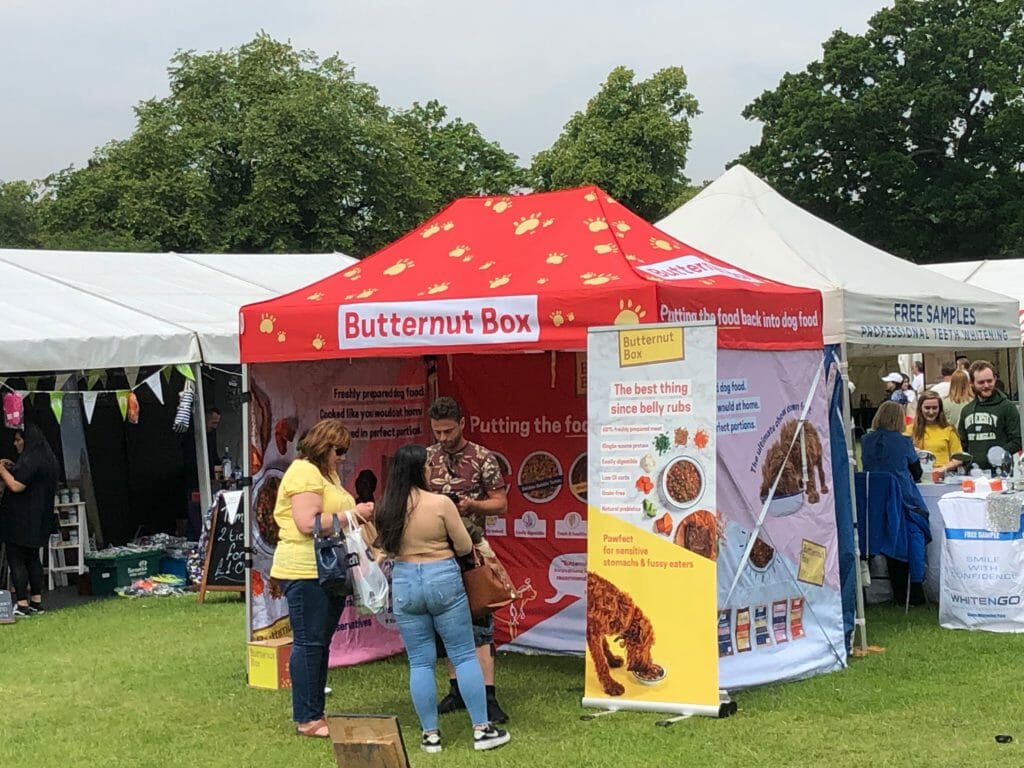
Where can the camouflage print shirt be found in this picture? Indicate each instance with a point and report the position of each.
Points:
(470, 473)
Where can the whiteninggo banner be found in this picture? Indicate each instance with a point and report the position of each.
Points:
(915, 321)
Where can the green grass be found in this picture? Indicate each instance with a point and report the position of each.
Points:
(160, 682)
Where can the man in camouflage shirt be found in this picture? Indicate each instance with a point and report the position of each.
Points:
(471, 476)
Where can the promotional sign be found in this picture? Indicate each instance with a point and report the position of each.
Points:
(982, 581)
(783, 619)
(537, 431)
(652, 542)
(383, 404)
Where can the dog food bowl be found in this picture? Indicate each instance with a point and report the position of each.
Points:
(784, 506)
(650, 680)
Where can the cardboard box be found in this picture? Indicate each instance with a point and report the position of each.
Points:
(268, 663)
(367, 741)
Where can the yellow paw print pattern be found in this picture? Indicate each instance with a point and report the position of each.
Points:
(436, 288)
(399, 267)
(661, 245)
(590, 197)
(529, 225)
(315, 296)
(363, 294)
(267, 323)
(541, 280)
(620, 228)
(486, 265)
(460, 252)
(282, 337)
(500, 205)
(603, 248)
(353, 274)
(629, 313)
(592, 278)
(556, 258)
(432, 229)
(319, 342)
(497, 282)
(596, 225)
(559, 318)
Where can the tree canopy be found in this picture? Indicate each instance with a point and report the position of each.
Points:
(910, 136)
(631, 140)
(264, 148)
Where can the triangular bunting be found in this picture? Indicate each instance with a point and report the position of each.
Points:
(89, 403)
(154, 384)
(122, 402)
(31, 383)
(131, 372)
(91, 378)
(61, 380)
(185, 370)
(57, 404)
(166, 373)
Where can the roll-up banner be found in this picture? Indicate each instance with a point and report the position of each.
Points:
(652, 534)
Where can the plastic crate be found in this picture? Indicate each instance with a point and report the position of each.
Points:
(108, 573)
(175, 566)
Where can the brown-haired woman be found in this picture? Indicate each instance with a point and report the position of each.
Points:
(931, 432)
(960, 394)
(310, 486)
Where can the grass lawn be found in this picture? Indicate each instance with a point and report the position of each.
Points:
(160, 682)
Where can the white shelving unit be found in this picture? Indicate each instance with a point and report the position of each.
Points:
(73, 526)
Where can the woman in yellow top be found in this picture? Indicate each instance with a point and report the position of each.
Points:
(931, 432)
(311, 485)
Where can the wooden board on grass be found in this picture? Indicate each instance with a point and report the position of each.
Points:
(367, 741)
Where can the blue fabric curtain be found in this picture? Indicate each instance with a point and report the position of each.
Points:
(844, 503)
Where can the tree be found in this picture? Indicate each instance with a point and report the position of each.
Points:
(631, 140)
(259, 149)
(911, 135)
(17, 215)
(455, 160)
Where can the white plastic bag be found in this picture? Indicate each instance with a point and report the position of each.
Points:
(369, 584)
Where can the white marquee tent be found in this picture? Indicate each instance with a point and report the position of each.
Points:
(72, 310)
(1000, 275)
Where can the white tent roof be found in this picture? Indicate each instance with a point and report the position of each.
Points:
(871, 298)
(1000, 275)
(189, 303)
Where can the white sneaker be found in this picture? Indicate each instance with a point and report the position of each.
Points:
(431, 742)
(490, 737)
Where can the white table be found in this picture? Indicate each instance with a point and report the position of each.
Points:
(982, 582)
(931, 493)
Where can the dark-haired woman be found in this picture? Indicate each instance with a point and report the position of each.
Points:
(311, 486)
(26, 514)
(423, 532)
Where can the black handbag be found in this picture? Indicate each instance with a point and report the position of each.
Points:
(333, 559)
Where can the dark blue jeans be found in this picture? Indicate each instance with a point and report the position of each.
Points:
(314, 616)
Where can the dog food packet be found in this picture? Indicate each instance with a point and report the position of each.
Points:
(743, 629)
(779, 621)
(796, 618)
(761, 636)
(725, 633)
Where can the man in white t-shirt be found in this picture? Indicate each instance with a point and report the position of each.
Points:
(941, 388)
(917, 377)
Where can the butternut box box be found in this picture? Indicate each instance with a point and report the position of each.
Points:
(268, 663)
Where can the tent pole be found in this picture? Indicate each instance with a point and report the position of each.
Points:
(202, 452)
(1018, 357)
(246, 502)
(860, 621)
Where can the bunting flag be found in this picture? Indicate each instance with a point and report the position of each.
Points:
(166, 373)
(57, 404)
(131, 373)
(31, 383)
(122, 402)
(89, 402)
(154, 384)
(61, 380)
(93, 376)
(185, 370)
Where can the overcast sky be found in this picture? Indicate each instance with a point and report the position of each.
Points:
(71, 70)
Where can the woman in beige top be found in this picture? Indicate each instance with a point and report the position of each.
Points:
(422, 531)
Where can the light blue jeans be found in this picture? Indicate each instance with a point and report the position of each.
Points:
(429, 597)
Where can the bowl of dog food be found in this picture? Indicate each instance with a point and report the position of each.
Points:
(682, 482)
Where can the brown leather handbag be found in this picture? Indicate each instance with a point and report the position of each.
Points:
(487, 584)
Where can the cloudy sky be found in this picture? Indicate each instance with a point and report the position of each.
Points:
(71, 70)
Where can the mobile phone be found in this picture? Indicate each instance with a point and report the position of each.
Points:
(454, 497)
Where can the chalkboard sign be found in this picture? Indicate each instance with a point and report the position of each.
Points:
(224, 563)
(6, 607)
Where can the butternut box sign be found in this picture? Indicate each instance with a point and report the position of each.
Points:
(268, 663)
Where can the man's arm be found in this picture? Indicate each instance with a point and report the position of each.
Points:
(494, 505)
(1013, 441)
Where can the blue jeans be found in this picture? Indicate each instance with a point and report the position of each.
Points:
(429, 597)
(314, 616)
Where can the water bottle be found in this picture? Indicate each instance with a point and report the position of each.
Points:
(226, 465)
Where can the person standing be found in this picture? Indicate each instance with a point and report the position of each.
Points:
(990, 419)
(960, 394)
(471, 474)
(311, 486)
(931, 432)
(941, 388)
(26, 514)
(917, 376)
(423, 533)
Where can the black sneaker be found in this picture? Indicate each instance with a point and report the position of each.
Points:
(495, 713)
(22, 611)
(450, 703)
(490, 738)
(431, 742)
(35, 609)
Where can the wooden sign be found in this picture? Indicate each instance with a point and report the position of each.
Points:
(224, 561)
(367, 741)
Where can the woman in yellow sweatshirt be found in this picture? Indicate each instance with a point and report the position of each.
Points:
(931, 432)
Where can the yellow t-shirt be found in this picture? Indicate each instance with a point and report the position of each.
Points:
(941, 441)
(293, 558)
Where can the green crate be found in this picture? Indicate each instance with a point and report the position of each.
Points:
(109, 573)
